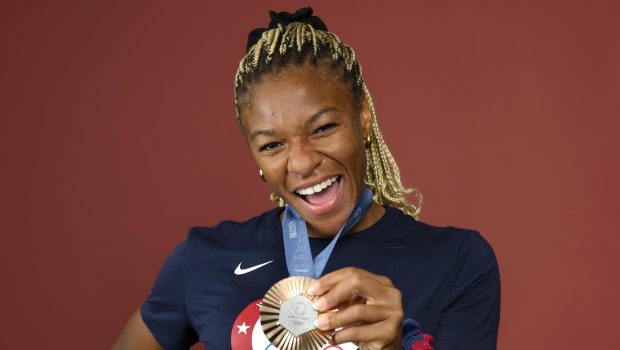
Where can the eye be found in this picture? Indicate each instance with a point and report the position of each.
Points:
(324, 128)
(269, 146)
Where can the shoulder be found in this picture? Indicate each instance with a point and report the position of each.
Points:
(403, 226)
(261, 229)
(453, 245)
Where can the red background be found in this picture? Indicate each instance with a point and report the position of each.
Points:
(117, 134)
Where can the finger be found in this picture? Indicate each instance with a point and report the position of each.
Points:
(327, 282)
(323, 284)
(358, 285)
(354, 315)
(381, 334)
(356, 300)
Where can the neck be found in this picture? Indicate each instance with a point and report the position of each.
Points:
(374, 213)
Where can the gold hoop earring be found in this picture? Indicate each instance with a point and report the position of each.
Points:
(262, 176)
(368, 141)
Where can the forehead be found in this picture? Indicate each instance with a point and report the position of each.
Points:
(295, 92)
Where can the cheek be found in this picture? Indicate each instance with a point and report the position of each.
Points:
(274, 169)
(347, 150)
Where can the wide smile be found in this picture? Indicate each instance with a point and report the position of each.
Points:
(322, 197)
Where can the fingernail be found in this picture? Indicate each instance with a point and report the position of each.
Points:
(322, 322)
(319, 304)
(313, 288)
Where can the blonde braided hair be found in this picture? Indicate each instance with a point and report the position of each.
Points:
(284, 44)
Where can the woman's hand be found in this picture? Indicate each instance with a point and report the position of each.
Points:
(370, 310)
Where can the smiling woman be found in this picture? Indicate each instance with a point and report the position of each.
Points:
(342, 239)
(306, 43)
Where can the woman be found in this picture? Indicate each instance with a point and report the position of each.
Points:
(386, 282)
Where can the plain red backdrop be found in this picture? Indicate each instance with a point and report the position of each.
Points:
(117, 134)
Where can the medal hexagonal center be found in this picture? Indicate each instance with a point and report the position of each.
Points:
(297, 315)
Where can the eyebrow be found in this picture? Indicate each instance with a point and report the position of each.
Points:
(308, 122)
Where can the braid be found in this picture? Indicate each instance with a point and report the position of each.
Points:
(383, 174)
(298, 44)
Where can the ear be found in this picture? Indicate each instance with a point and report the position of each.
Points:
(365, 119)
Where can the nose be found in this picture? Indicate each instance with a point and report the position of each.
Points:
(302, 159)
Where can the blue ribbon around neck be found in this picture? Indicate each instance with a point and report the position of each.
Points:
(297, 245)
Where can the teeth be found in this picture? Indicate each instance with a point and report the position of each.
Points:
(318, 187)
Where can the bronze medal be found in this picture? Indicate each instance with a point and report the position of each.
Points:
(287, 316)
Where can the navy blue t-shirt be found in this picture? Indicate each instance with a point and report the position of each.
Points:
(209, 287)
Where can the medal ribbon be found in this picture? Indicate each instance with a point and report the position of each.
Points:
(297, 245)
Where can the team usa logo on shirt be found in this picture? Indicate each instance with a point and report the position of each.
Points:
(247, 333)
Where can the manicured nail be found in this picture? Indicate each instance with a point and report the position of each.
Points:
(313, 288)
(319, 304)
(322, 322)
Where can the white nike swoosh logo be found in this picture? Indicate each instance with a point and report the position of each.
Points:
(240, 271)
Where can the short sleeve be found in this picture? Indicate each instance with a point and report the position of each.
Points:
(165, 310)
(471, 317)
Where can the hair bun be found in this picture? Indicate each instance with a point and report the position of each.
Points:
(303, 15)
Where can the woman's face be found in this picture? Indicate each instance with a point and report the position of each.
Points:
(308, 138)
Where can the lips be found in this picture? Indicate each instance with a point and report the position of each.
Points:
(325, 196)
(324, 201)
